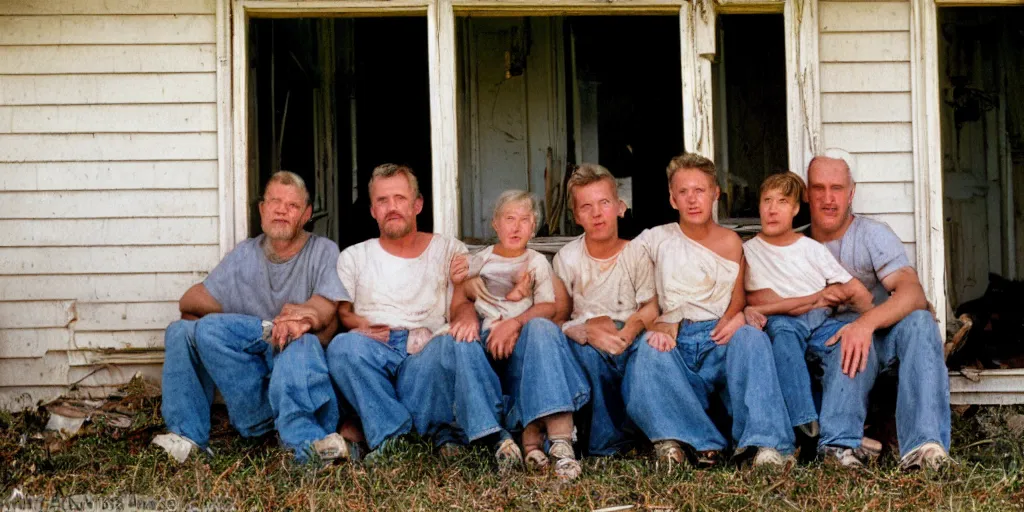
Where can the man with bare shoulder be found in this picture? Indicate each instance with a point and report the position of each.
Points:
(253, 329)
(898, 335)
(610, 287)
(700, 348)
(410, 359)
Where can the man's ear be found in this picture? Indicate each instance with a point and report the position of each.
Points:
(418, 205)
(622, 208)
(306, 215)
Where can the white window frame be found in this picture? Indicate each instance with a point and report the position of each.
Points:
(697, 21)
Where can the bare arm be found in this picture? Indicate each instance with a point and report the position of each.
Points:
(349, 319)
(767, 302)
(563, 301)
(642, 320)
(197, 303)
(858, 296)
(539, 310)
(317, 315)
(907, 297)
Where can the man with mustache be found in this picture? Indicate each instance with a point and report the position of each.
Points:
(266, 370)
(899, 335)
(394, 367)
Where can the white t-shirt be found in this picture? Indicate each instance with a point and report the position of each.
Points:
(693, 282)
(802, 268)
(500, 275)
(402, 293)
(615, 287)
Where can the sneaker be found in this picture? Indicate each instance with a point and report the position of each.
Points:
(566, 466)
(927, 456)
(331, 448)
(508, 454)
(771, 457)
(670, 452)
(845, 457)
(177, 446)
(810, 429)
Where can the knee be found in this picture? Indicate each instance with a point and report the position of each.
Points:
(346, 347)
(588, 356)
(780, 325)
(179, 334)
(921, 323)
(748, 338)
(542, 327)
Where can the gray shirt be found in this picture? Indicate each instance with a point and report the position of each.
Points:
(870, 251)
(246, 282)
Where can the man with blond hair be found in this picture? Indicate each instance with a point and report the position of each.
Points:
(611, 301)
(254, 329)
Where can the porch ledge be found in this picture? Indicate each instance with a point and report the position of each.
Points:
(987, 387)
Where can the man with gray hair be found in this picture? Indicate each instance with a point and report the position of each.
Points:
(254, 329)
(899, 335)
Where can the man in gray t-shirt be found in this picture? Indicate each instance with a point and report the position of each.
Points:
(898, 334)
(255, 329)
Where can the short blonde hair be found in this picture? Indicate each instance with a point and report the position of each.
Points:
(691, 161)
(788, 183)
(584, 175)
(288, 178)
(390, 170)
(515, 196)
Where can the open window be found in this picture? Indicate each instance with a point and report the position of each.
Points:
(540, 94)
(330, 99)
(750, 111)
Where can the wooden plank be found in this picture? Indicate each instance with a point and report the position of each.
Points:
(112, 375)
(868, 137)
(26, 315)
(874, 198)
(698, 116)
(99, 288)
(977, 3)
(73, 30)
(94, 204)
(750, 6)
(870, 107)
(107, 146)
(181, 174)
(442, 55)
(803, 103)
(39, 7)
(113, 260)
(119, 340)
(107, 316)
(864, 16)
(25, 343)
(865, 77)
(883, 167)
(50, 370)
(107, 89)
(347, 8)
(57, 60)
(865, 47)
(18, 398)
(107, 231)
(901, 223)
(186, 118)
(911, 250)
(225, 129)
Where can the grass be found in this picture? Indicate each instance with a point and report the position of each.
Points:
(256, 475)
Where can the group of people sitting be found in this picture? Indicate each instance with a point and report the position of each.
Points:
(685, 337)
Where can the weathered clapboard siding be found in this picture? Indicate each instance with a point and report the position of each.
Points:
(109, 181)
(864, 51)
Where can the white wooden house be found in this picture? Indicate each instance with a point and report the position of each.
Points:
(130, 158)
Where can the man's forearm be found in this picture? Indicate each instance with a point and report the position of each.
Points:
(542, 310)
(785, 306)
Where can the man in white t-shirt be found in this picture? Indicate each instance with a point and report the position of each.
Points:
(801, 273)
(610, 285)
(700, 348)
(392, 367)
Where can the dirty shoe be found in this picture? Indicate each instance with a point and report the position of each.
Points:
(508, 454)
(771, 457)
(331, 448)
(670, 452)
(177, 446)
(845, 457)
(566, 465)
(927, 456)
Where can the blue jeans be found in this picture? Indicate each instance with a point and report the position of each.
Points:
(608, 423)
(795, 339)
(541, 377)
(262, 390)
(912, 349)
(447, 391)
(667, 393)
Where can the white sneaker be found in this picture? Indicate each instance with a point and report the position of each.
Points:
(331, 448)
(845, 457)
(770, 456)
(927, 456)
(177, 446)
